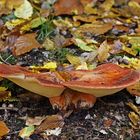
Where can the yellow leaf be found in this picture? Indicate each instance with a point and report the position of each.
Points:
(83, 66)
(135, 119)
(131, 50)
(74, 60)
(103, 51)
(27, 132)
(13, 23)
(134, 89)
(33, 24)
(107, 5)
(47, 66)
(63, 23)
(3, 89)
(134, 8)
(133, 63)
(24, 11)
(48, 44)
(132, 106)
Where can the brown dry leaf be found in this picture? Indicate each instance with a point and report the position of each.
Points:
(134, 89)
(10, 4)
(85, 2)
(7, 5)
(103, 51)
(63, 7)
(134, 8)
(121, 28)
(51, 122)
(85, 18)
(34, 121)
(135, 119)
(89, 7)
(3, 129)
(25, 43)
(61, 41)
(133, 107)
(96, 28)
(107, 5)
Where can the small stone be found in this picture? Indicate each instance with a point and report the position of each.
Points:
(103, 132)
(63, 32)
(4, 105)
(11, 105)
(125, 61)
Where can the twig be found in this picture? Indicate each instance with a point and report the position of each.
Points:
(9, 108)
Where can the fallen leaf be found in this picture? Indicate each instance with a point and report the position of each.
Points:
(89, 7)
(51, 122)
(135, 119)
(103, 52)
(83, 66)
(63, 23)
(83, 45)
(134, 89)
(13, 23)
(25, 43)
(6, 6)
(47, 66)
(107, 5)
(131, 50)
(96, 28)
(134, 8)
(34, 121)
(27, 132)
(63, 7)
(49, 44)
(132, 63)
(134, 108)
(24, 11)
(83, 18)
(74, 60)
(4, 130)
(13, 3)
(37, 22)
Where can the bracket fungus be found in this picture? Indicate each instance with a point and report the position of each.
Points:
(104, 80)
(45, 84)
(70, 87)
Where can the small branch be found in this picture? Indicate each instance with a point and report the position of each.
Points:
(9, 108)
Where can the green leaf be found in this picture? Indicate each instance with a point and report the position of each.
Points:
(83, 45)
(37, 22)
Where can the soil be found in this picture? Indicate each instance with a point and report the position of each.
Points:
(107, 120)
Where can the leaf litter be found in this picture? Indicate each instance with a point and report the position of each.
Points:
(59, 35)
